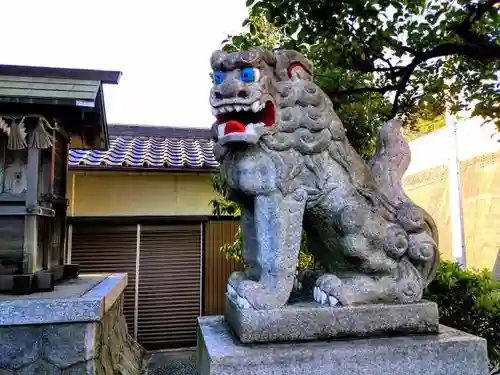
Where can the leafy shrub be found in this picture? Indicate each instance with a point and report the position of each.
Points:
(234, 249)
(469, 301)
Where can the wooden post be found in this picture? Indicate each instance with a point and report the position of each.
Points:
(31, 223)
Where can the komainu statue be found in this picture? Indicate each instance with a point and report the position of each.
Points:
(286, 160)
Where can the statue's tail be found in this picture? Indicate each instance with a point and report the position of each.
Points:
(388, 165)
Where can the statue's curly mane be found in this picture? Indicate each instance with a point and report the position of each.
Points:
(309, 125)
(307, 121)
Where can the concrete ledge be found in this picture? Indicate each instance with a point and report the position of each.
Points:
(451, 352)
(311, 321)
(85, 299)
(109, 290)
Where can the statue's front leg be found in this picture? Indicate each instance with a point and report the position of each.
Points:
(249, 251)
(272, 251)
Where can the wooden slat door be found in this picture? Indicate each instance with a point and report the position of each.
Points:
(169, 285)
(217, 267)
(108, 248)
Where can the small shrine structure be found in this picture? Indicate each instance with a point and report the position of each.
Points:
(43, 111)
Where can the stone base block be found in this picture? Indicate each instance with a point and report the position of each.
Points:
(311, 321)
(450, 352)
(77, 329)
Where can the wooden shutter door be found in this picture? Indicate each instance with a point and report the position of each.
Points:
(169, 285)
(218, 267)
(108, 249)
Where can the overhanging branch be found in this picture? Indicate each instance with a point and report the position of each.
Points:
(464, 28)
(361, 90)
(473, 46)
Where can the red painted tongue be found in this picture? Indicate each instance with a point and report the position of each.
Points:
(234, 126)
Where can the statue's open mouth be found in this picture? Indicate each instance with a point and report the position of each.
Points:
(244, 119)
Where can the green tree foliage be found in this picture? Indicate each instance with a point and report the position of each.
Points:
(426, 123)
(419, 53)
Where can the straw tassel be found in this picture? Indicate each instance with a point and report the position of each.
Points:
(4, 126)
(17, 135)
(40, 137)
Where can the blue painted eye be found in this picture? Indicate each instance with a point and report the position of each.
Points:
(247, 74)
(218, 77)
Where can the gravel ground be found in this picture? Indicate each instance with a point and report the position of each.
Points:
(173, 362)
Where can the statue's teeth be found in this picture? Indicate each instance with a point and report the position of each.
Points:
(238, 108)
(229, 108)
(222, 110)
(256, 106)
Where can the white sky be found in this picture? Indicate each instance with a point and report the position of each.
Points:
(162, 48)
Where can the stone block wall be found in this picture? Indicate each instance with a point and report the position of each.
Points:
(96, 348)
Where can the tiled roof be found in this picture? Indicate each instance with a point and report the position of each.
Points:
(150, 147)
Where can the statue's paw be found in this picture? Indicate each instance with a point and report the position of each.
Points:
(327, 290)
(324, 298)
(249, 294)
(234, 281)
(240, 301)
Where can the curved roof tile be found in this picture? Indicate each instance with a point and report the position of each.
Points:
(147, 147)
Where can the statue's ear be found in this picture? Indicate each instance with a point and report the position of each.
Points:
(291, 65)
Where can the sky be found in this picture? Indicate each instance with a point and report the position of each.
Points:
(162, 47)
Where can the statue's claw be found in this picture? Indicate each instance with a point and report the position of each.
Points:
(243, 303)
(327, 290)
(231, 292)
(323, 298)
(240, 301)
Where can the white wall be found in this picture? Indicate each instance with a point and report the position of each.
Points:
(473, 139)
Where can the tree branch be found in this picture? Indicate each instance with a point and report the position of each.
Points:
(478, 11)
(398, 45)
(361, 90)
(475, 47)
(442, 50)
(464, 28)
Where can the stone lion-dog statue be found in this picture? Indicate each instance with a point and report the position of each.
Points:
(285, 158)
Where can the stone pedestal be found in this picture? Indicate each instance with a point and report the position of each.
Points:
(308, 321)
(78, 329)
(449, 352)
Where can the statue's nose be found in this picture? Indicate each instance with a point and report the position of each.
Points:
(231, 91)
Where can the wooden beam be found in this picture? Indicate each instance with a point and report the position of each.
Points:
(31, 228)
